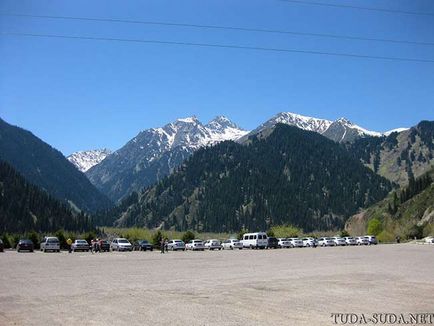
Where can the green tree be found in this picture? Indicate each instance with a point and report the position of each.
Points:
(6, 242)
(157, 237)
(34, 237)
(344, 233)
(188, 236)
(375, 226)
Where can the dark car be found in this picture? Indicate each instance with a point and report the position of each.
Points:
(25, 244)
(143, 245)
(104, 245)
(1, 246)
(273, 243)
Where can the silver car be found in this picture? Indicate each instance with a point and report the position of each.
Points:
(80, 245)
(350, 241)
(284, 243)
(213, 244)
(371, 239)
(326, 242)
(362, 241)
(232, 244)
(195, 245)
(176, 245)
(296, 242)
(339, 241)
(50, 244)
(310, 242)
(121, 244)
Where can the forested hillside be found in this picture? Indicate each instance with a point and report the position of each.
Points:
(287, 176)
(47, 168)
(25, 207)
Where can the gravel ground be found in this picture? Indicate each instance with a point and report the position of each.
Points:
(243, 287)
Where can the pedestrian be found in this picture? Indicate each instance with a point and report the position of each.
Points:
(69, 243)
(398, 239)
(162, 245)
(166, 244)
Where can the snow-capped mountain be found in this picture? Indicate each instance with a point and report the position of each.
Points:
(155, 152)
(84, 160)
(341, 130)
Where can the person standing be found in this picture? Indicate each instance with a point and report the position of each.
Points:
(162, 245)
(69, 243)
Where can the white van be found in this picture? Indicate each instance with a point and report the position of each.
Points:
(255, 240)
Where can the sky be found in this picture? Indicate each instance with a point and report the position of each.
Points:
(80, 94)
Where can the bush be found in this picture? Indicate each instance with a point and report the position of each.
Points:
(386, 236)
(6, 242)
(157, 237)
(34, 237)
(61, 236)
(375, 226)
(241, 233)
(286, 231)
(415, 232)
(188, 236)
(344, 233)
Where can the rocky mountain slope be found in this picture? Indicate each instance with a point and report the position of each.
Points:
(84, 160)
(400, 155)
(287, 175)
(44, 166)
(407, 212)
(156, 152)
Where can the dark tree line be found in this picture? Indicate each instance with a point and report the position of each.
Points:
(25, 207)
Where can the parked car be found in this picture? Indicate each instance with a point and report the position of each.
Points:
(50, 244)
(371, 239)
(310, 242)
(232, 244)
(273, 243)
(350, 241)
(175, 245)
(80, 245)
(362, 241)
(429, 240)
(25, 244)
(326, 242)
(339, 241)
(284, 243)
(2, 246)
(296, 242)
(255, 240)
(213, 244)
(104, 245)
(195, 245)
(121, 244)
(143, 245)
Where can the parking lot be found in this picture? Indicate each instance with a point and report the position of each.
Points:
(241, 287)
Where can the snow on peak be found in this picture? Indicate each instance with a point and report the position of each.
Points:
(398, 130)
(301, 121)
(193, 119)
(84, 160)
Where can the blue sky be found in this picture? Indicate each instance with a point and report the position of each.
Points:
(80, 94)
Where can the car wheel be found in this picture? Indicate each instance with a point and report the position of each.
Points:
(45, 250)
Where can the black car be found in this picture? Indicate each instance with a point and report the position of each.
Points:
(25, 244)
(143, 245)
(273, 243)
(104, 245)
(1, 246)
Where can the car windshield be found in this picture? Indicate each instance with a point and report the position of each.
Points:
(122, 241)
(53, 241)
(26, 241)
(143, 242)
(82, 241)
(328, 239)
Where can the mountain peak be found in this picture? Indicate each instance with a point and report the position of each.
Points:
(190, 120)
(345, 121)
(221, 122)
(84, 160)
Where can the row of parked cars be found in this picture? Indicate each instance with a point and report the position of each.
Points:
(258, 240)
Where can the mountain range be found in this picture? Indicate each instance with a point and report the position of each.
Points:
(284, 175)
(156, 152)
